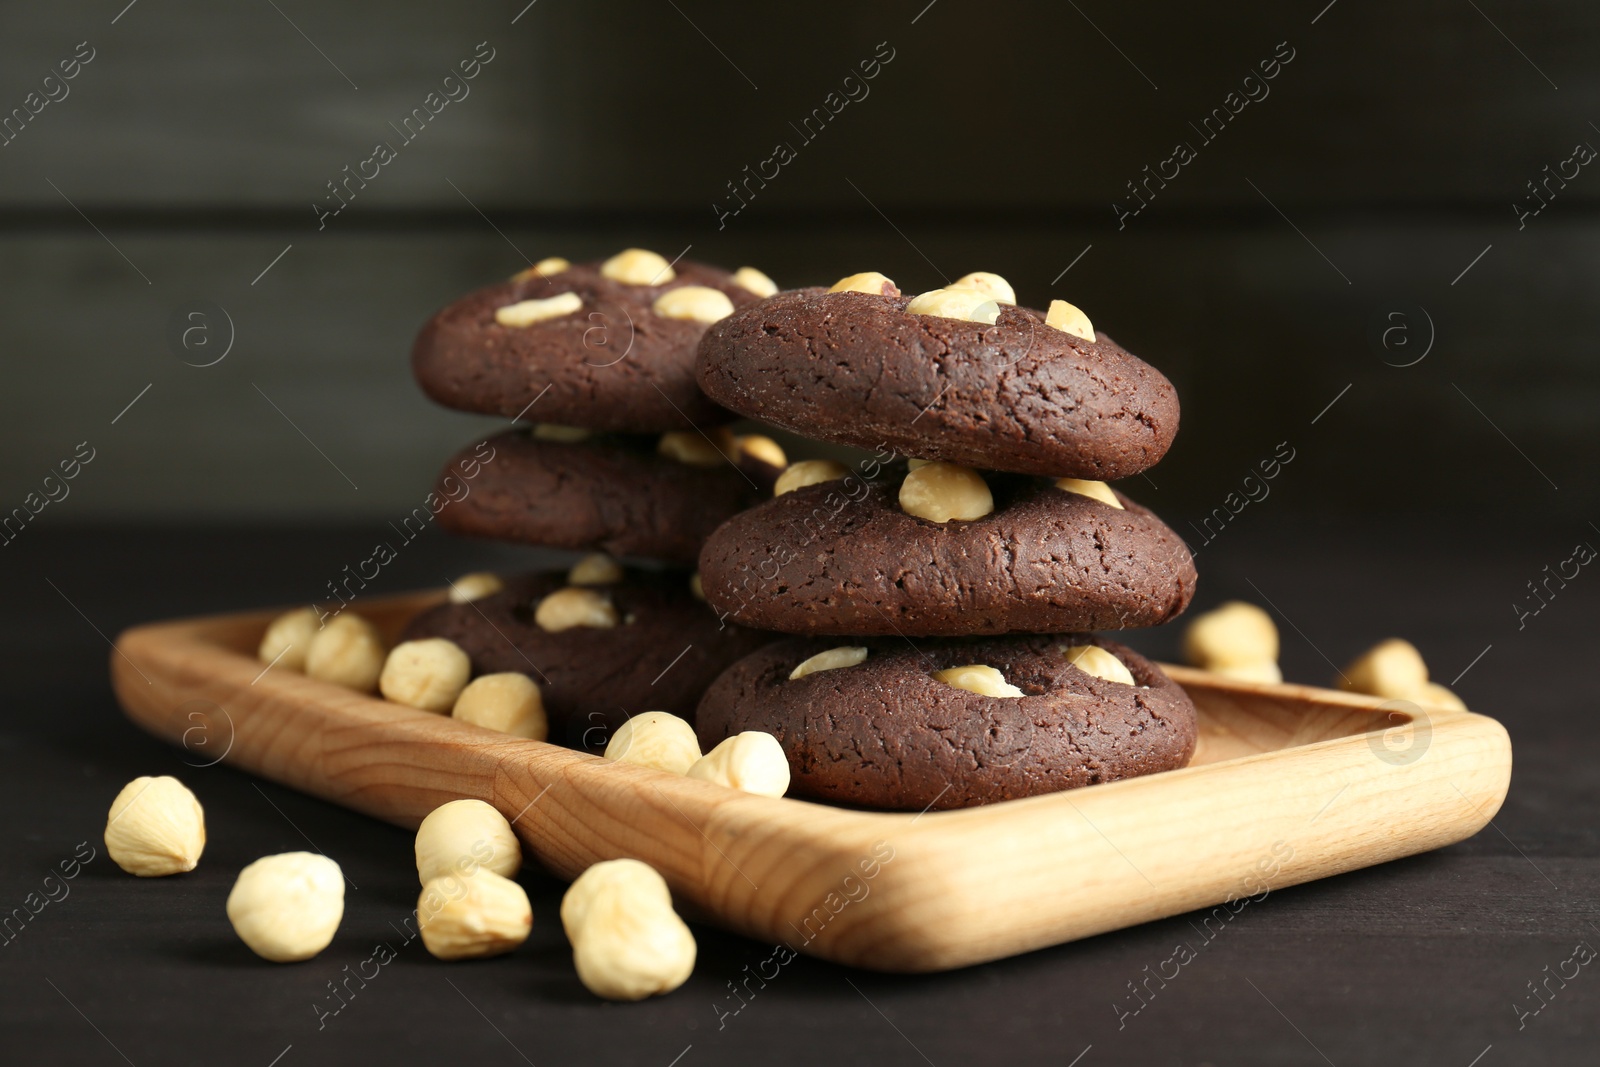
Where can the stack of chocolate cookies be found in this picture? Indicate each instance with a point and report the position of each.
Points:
(625, 457)
(942, 595)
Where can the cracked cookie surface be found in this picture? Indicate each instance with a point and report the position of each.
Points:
(884, 733)
(1017, 395)
(612, 494)
(613, 364)
(666, 648)
(841, 557)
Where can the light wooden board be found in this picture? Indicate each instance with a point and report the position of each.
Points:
(1289, 784)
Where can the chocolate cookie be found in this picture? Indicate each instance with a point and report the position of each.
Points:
(858, 369)
(666, 646)
(609, 362)
(885, 733)
(614, 494)
(842, 557)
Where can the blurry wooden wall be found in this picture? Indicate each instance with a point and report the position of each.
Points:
(1377, 164)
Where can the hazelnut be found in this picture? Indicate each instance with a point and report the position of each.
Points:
(1092, 659)
(596, 568)
(472, 916)
(968, 304)
(1265, 672)
(635, 266)
(940, 492)
(528, 312)
(1392, 668)
(573, 606)
(869, 282)
(289, 637)
(287, 907)
(655, 739)
(507, 702)
(697, 587)
(808, 472)
(753, 280)
(991, 285)
(1436, 695)
(831, 660)
(565, 435)
(627, 942)
(475, 586)
(348, 652)
(463, 835)
(1233, 635)
(1068, 319)
(976, 678)
(762, 448)
(1094, 490)
(542, 269)
(752, 762)
(696, 303)
(913, 464)
(155, 827)
(698, 449)
(427, 674)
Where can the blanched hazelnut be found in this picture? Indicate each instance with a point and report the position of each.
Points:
(967, 304)
(596, 568)
(1435, 695)
(155, 827)
(655, 739)
(1233, 635)
(867, 282)
(348, 652)
(627, 942)
(287, 907)
(830, 660)
(475, 586)
(1265, 672)
(697, 587)
(289, 637)
(508, 702)
(1068, 319)
(463, 835)
(635, 266)
(472, 916)
(1092, 659)
(752, 762)
(808, 472)
(565, 435)
(754, 281)
(427, 674)
(710, 449)
(542, 269)
(763, 448)
(1094, 490)
(1392, 668)
(541, 309)
(696, 303)
(572, 607)
(940, 492)
(977, 678)
(991, 285)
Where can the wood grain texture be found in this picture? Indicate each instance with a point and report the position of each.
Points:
(1290, 784)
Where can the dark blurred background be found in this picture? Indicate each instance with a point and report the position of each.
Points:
(1372, 184)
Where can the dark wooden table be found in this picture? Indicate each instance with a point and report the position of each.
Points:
(1424, 961)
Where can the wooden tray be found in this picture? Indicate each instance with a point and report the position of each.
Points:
(1290, 783)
